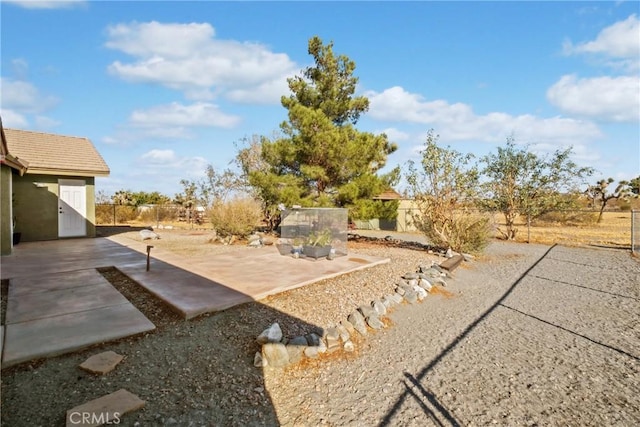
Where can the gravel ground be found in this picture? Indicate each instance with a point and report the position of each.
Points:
(560, 347)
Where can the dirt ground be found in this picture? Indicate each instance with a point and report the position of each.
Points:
(512, 340)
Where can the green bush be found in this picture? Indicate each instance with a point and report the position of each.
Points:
(236, 217)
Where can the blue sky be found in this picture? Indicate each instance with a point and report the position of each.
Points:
(165, 88)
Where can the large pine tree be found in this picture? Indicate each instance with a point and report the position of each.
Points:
(321, 158)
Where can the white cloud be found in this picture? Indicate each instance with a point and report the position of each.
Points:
(614, 99)
(159, 161)
(458, 122)
(200, 114)
(163, 157)
(188, 57)
(11, 119)
(620, 41)
(23, 97)
(393, 134)
(50, 4)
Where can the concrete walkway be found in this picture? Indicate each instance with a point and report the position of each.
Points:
(58, 302)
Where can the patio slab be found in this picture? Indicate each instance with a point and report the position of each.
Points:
(48, 317)
(59, 303)
(204, 284)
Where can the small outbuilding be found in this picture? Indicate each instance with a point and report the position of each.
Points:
(48, 186)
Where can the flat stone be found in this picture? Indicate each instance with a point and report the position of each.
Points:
(348, 326)
(344, 333)
(104, 410)
(102, 363)
(356, 319)
(379, 307)
(374, 322)
(367, 310)
(311, 352)
(276, 354)
(295, 352)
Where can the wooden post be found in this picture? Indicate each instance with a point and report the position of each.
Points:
(148, 256)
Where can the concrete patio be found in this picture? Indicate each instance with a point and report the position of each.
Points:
(58, 302)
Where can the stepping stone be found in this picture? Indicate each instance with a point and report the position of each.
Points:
(102, 363)
(104, 410)
(452, 263)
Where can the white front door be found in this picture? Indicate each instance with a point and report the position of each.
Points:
(72, 208)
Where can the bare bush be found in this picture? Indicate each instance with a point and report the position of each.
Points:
(235, 217)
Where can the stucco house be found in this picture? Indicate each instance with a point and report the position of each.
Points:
(48, 186)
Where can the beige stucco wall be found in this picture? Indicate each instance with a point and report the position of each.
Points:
(5, 210)
(36, 207)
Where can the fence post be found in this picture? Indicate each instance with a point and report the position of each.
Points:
(634, 230)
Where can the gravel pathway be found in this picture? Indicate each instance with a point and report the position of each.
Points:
(560, 346)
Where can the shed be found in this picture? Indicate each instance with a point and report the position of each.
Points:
(54, 196)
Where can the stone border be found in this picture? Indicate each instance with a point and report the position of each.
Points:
(278, 351)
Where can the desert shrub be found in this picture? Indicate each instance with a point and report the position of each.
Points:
(125, 213)
(573, 218)
(468, 232)
(235, 217)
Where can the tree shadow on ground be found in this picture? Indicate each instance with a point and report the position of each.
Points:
(414, 386)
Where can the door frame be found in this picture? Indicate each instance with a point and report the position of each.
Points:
(82, 231)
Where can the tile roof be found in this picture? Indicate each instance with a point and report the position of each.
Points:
(51, 154)
(389, 194)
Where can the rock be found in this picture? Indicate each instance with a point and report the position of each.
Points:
(299, 341)
(395, 297)
(109, 408)
(311, 352)
(331, 333)
(387, 301)
(255, 243)
(267, 241)
(436, 267)
(399, 295)
(432, 272)
(449, 253)
(332, 344)
(400, 291)
(253, 237)
(342, 331)
(356, 319)
(295, 352)
(367, 310)
(272, 334)
(420, 292)
(349, 347)
(425, 284)
(275, 354)
(348, 326)
(411, 297)
(412, 282)
(410, 276)
(313, 340)
(374, 322)
(322, 347)
(148, 235)
(379, 307)
(405, 287)
(258, 361)
(102, 363)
